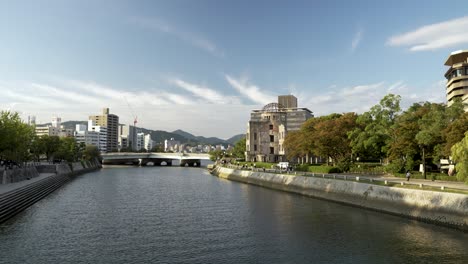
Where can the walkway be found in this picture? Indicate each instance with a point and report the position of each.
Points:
(4, 188)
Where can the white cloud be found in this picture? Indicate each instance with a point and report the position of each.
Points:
(356, 39)
(435, 36)
(193, 39)
(159, 109)
(205, 93)
(361, 98)
(250, 91)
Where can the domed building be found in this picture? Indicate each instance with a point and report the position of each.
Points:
(269, 126)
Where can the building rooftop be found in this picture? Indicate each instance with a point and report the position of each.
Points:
(457, 57)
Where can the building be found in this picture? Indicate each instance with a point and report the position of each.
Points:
(457, 77)
(46, 130)
(140, 141)
(127, 137)
(171, 145)
(269, 126)
(92, 135)
(111, 123)
(56, 129)
(148, 142)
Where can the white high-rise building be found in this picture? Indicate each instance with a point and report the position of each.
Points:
(56, 122)
(149, 143)
(140, 142)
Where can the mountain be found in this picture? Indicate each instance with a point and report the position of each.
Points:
(210, 140)
(233, 140)
(159, 135)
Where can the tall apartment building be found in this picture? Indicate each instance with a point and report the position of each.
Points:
(457, 77)
(149, 143)
(111, 123)
(127, 137)
(269, 126)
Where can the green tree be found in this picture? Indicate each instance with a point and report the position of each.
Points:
(372, 136)
(454, 133)
(91, 152)
(69, 150)
(37, 148)
(216, 154)
(460, 156)
(51, 145)
(239, 149)
(15, 137)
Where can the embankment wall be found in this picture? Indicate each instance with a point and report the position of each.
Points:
(448, 209)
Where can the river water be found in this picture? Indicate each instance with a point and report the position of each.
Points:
(185, 215)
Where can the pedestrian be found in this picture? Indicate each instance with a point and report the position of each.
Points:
(408, 174)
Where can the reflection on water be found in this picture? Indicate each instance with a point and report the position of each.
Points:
(185, 215)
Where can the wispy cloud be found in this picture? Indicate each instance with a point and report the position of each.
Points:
(361, 98)
(250, 91)
(356, 39)
(193, 39)
(205, 93)
(434, 36)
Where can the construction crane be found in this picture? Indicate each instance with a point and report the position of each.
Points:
(135, 118)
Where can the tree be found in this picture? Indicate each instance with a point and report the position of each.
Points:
(454, 133)
(371, 136)
(460, 156)
(69, 150)
(37, 148)
(239, 149)
(216, 154)
(158, 148)
(91, 152)
(15, 137)
(51, 145)
(323, 136)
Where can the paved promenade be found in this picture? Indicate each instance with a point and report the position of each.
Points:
(11, 186)
(436, 183)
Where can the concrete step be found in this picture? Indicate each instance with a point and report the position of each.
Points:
(19, 200)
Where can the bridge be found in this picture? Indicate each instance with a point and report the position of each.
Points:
(154, 158)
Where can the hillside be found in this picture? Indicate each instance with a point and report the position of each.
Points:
(159, 135)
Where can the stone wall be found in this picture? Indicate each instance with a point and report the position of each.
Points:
(17, 174)
(449, 209)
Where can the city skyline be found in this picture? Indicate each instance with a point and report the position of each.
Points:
(202, 66)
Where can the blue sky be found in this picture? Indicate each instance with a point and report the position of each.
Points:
(201, 66)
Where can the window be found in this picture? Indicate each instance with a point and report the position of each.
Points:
(271, 127)
(248, 147)
(272, 150)
(255, 136)
(255, 147)
(272, 138)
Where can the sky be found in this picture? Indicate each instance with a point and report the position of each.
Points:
(202, 66)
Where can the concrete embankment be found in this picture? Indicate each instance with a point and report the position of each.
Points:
(448, 209)
(18, 199)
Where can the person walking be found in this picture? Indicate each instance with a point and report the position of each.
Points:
(408, 174)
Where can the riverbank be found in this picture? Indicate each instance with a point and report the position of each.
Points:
(17, 196)
(447, 209)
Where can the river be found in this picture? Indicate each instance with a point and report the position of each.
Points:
(185, 215)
